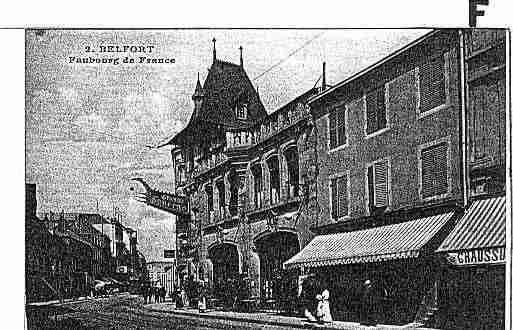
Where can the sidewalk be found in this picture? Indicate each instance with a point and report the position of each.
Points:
(69, 301)
(267, 318)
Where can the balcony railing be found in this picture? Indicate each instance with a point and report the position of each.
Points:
(207, 164)
(270, 204)
(270, 127)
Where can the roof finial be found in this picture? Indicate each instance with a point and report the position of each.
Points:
(214, 51)
(323, 85)
(241, 62)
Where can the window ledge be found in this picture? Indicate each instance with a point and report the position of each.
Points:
(338, 148)
(421, 115)
(434, 198)
(373, 134)
(342, 219)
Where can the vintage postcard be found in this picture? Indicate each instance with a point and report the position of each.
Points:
(279, 178)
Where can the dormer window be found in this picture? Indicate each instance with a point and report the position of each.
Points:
(241, 111)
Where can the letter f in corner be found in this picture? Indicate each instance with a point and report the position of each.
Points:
(473, 12)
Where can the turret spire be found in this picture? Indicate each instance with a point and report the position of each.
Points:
(241, 62)
(198, 91)
(214, 50)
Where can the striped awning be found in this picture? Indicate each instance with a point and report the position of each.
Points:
(482, 226)
(397, 241)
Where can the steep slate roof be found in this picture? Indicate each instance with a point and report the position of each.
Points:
(225, 85)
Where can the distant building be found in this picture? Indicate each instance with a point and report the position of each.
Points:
(162, 274)
(42, 254)
(80, 227)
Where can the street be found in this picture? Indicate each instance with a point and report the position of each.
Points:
(126, 312)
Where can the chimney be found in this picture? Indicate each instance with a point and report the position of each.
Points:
(323, 86)
(241, 62)
(214, 50)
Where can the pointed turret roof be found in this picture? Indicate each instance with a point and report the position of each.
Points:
(198, 91)
(226, 85)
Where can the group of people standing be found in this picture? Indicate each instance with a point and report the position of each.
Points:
(315, 301)
(153, 294)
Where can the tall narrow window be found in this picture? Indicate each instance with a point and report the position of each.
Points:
(434, 170)
(432, 83)
(337, 127)
(291, 156)
(274, 178)
(378, 187)
(339, 197)
(210, 201)
(221, 198)
(376, 111)
(234, 193)
(256, 170)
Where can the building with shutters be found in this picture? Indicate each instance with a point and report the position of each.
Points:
(475, 250)
(405, 155)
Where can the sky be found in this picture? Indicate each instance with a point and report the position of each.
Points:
(88, 125)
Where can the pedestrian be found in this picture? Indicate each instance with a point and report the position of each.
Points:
(152, 294)
(202, 297)
(145, 293)
(323, 307)
(307, 298)
(162, 294)
(156, 294)
(367, 302)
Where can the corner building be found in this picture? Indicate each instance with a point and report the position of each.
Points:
(248, 177)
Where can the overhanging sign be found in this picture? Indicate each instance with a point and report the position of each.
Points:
(171, 203)
(495, 255)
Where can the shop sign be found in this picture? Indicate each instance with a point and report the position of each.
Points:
(496, 255)
(171, 203)
(169, 253)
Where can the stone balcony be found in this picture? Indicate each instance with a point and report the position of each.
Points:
(207, 164)
(274, 124)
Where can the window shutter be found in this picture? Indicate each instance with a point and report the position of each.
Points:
(381, 184)
(342, 196)
(370, 181)
(341, 127)
(434, 171)
(333, 129)
(371, 105)
(381, 115)
(334, 213)
(432, 83)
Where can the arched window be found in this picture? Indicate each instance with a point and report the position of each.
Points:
(292, 159)
(234, 192)
(256, 171)
(221, 199)
(210, 201)
(274, 178)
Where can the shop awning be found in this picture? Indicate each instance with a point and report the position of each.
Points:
(397, 241)
(482, 226)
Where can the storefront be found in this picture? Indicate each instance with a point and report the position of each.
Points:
(273, 249)
(398, 259)
(225, 265)
(472, 294)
